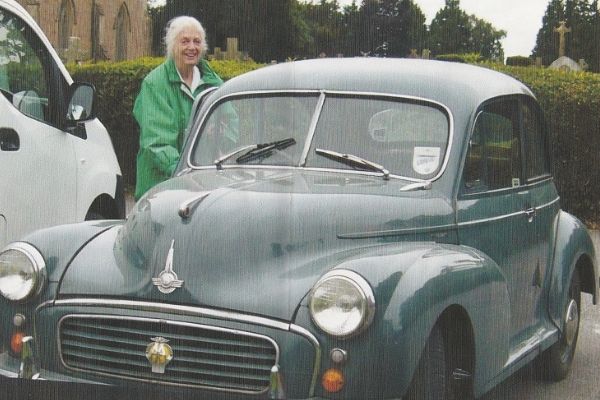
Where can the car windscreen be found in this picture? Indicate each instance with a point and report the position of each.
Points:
(405, 136)
(268, 130)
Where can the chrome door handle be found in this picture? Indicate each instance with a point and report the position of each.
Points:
(530, 213)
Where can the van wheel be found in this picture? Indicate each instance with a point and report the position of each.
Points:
(93, 215)
(557, 361)
(432, 379)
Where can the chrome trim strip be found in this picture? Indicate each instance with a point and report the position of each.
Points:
(317, 169)
(549, 204)
(176, 309)
(349, 93)
(312, 129)
(500, 217)
(167, 322)
(395, 232)
(318, 354)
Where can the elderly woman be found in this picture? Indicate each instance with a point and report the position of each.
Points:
(163, 106)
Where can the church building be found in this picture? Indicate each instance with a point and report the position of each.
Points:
(113, 30)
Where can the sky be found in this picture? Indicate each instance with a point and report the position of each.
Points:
(521, 19)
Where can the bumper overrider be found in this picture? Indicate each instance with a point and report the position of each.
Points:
(185, 349)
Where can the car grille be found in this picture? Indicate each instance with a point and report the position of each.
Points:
(203, 356)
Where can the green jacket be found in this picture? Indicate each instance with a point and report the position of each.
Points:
(162, 109)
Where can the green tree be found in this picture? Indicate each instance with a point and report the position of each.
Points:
(546, 45)
(450, 30)
(453, 31)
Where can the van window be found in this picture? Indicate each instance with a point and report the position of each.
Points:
(24, 68)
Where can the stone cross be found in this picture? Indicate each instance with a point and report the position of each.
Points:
(562, 30)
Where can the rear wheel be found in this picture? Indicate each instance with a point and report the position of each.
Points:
(558, 359)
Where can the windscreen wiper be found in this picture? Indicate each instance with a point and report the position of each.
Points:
(265, 150)
(254, 151)
(354, 161)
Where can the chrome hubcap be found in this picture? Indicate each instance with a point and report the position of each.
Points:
(571, 322)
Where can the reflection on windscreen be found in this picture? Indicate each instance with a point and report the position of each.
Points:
(408, 138)
(256, 120)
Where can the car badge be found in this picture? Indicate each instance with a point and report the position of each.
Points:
(159, 353)
(167, 281)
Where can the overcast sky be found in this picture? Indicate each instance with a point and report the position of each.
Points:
(521, 19)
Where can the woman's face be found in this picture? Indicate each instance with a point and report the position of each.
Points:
(188, 47)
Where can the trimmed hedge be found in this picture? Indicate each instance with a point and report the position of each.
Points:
(117, 85)
(571, 103)
(519, 61)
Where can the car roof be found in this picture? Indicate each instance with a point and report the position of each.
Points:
(455, 85)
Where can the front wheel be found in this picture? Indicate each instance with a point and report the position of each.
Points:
(437, 376)
(558, 359)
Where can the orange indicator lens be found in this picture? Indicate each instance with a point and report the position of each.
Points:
(16, 342)
(333, 380)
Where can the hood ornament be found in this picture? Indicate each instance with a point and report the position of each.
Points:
(167, 281)
(159, 353)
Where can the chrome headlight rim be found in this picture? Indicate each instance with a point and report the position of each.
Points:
(365, 290)
(40, 275)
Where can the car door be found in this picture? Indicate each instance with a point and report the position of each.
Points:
(494, 210)
(544, 199)
(37, 160)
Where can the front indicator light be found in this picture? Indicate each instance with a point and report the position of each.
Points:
(16, 342)
(333, 380)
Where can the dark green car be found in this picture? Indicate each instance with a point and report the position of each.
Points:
(342, 228)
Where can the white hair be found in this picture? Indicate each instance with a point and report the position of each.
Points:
(176, 26)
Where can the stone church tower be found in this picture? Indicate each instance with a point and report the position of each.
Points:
(113, 30)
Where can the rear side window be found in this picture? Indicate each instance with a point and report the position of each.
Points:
(537, 164)
(25, 69)
(494, 157)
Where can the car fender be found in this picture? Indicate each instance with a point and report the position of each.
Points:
(573, 244)
(413, 291)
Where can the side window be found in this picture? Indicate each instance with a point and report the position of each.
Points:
(494, 156)
(537, 163)
(24, 68)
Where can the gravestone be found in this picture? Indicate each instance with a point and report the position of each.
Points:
(563, 62)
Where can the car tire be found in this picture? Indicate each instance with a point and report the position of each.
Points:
(432, 377)
(93, 215)
(556, 362)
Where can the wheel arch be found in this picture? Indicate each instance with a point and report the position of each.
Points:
(103, 205)
(573, 249)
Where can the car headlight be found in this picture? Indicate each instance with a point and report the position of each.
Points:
(22, 271)
(342, 303)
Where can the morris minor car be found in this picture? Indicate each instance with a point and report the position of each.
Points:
(339, 228)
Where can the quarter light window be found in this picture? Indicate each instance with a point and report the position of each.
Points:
(535, 142)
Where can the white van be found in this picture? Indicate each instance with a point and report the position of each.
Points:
(57, 163)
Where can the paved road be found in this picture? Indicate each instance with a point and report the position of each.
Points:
(583, 383)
